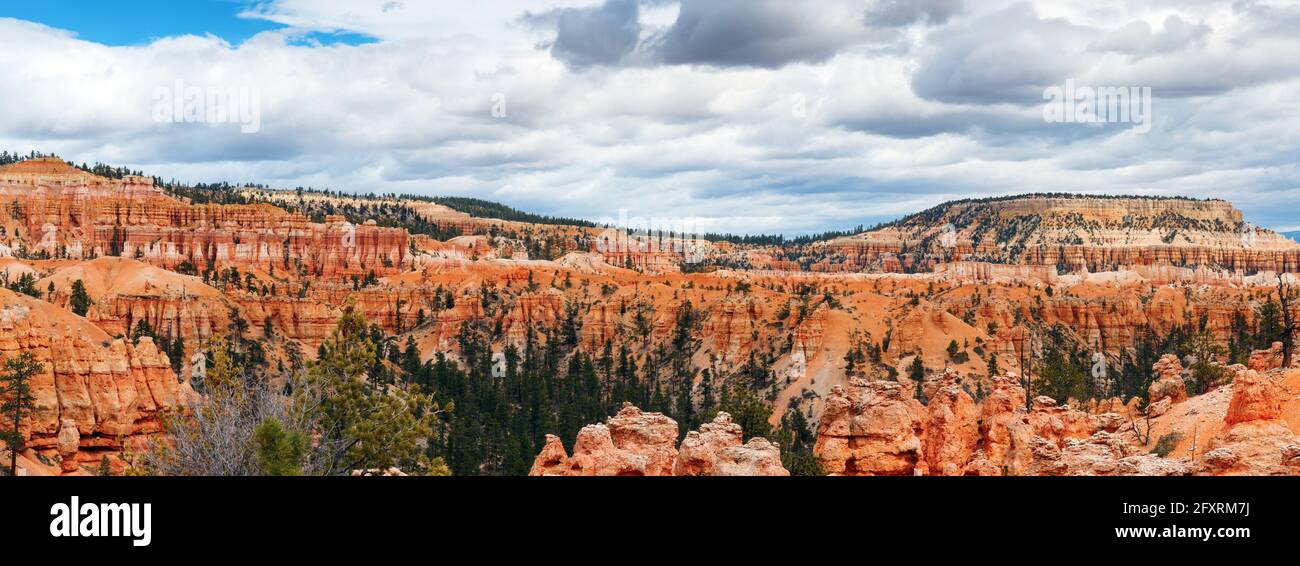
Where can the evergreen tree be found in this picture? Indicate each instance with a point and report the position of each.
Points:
(917, 374)
(1269, 329)
(362, 425)
(796, 438)
(747, 410)
(280, 452)
(16, 393)
(176, 354)
(80, 300)
(142, 328)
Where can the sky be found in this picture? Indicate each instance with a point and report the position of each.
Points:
(746, 116)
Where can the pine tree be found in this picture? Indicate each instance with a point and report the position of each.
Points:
(917, 374)
(15, 390)
(142, 328)
(363, 425)
(80, 300)
(176, 353)
(747, 410)
(280, 452)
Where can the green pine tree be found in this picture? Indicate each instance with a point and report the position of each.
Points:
(15, 390)
(280, 452)
(80, 300)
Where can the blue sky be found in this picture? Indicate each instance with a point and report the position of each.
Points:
(753, 116)
(140, 22)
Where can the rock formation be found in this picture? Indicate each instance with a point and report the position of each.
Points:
(633, 443)
(1255, 440)
(1083, 233)
(866, 430)
(717, 449)
(985, 275)
(1168, 383)
(870, 428)
(1265, 360)
(94, 391)
(88, 216)
(952, 428)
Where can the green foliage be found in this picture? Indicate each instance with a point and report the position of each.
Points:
(79, 301)
(362, 424)
(487, 209)
(25, 284)
(16, 393)
(796, 437)
(956, 354)
(917, 374)
(1165, 445)
(747, 410)
(142, 329)
(1206, 372)
(1269, 323)
(280, 452)
(1061, 376)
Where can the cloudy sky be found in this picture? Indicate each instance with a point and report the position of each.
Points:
(753, 116)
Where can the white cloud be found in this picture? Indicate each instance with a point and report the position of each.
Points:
(830, 125)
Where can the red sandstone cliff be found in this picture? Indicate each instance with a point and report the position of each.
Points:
(95, 393)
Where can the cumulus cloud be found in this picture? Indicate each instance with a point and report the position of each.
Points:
(750, 116)
(760, 33)
(598, 35)
(1138, 40)
(1007, 56)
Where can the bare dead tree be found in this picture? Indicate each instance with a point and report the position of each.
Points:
(211, 437)
(1028, 345)
(1143, 436)
(1286, 296)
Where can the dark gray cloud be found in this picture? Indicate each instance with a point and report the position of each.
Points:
(599, 35)
(759, 33)
(895, 13)
(720, 33)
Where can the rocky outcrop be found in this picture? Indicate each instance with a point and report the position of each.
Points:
(870, 428)
(1004, 430)
(951, 429)
(1102, 454)
(731, 326)
(631, 443)
(1083, 233)
(717, 450)
(93, 392)
(1254, 440)
(1265, 360)
(1255, 397)
(634, 443)
(1061, 423)
(1168, 383)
